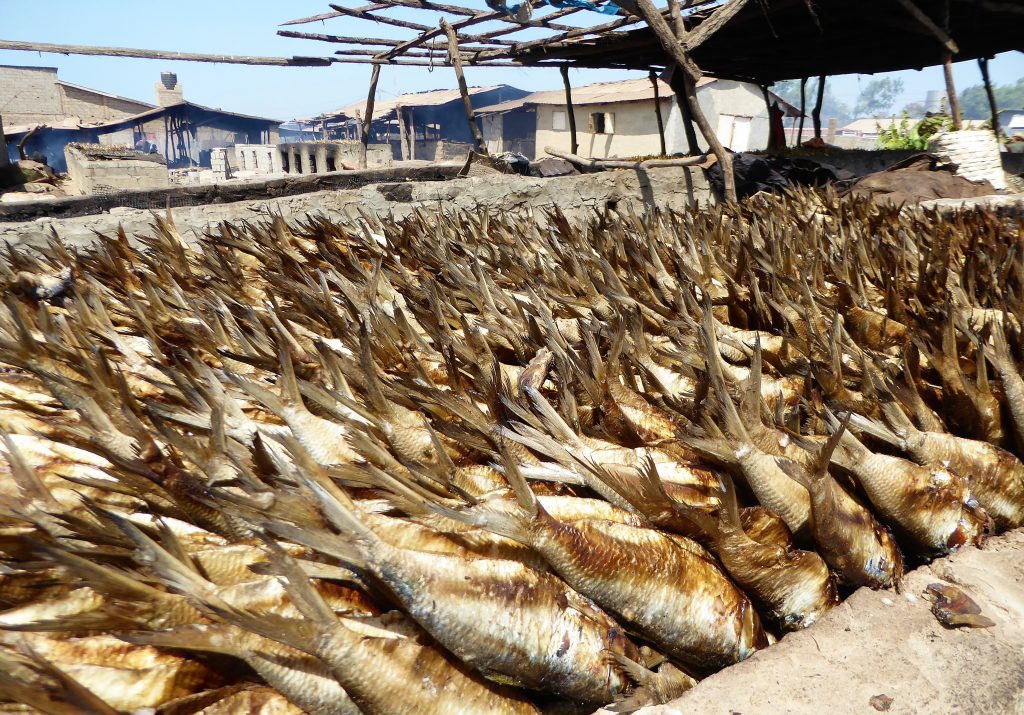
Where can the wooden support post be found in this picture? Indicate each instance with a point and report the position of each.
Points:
(410, 126)
(983, 66)
(675, 81)
(403, 148)
(657, 111)
(364, 134)
(677, 50)
(947, 68)
(803, 111)
(954, 101)
(456, 58)
(569, 111)
(816, 113)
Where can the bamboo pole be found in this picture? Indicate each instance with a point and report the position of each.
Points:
(993, 107)
(816, 112)
(456, 59)
(364, 136)
(162, 55)
(657, 111)
(569, 110)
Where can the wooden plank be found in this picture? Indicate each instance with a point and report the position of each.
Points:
(620, 164)
(162, 55)
(716, 21)
(456, 60)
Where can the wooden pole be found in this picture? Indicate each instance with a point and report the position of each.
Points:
(993, 107)
(456, 59)
(954, 101)
(410, 125)
(677, 50)
(947, 68)
(569, 111)
(364, 135)
(803, 111)
(816, 113)
(162, 55)
(657, 111)
(403, 149)
(675, 81)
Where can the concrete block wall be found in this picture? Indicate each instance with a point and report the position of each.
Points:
(976, 152)
(258, 158)
(320, 157)
(104, 176)
(29, 95)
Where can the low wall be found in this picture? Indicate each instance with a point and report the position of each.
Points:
(110, 175)
(861, 162)
(576, 196)
(220, 193)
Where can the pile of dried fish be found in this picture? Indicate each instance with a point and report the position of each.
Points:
(487, 464)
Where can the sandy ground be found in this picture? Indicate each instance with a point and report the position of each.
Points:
(880, 643)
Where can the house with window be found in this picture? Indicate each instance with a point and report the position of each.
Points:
(618, 119)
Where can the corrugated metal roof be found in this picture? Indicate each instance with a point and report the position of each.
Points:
(630, 90)
(383, 107)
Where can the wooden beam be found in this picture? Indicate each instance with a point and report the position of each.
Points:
(816, 112)
(619, 164)
(715, 22)
(364, 138)
(162, 55)
(456, 59)
(993, 107)
(930, 25)
(653, 76)
(569, 111)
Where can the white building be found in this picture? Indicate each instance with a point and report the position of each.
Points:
(617, 119)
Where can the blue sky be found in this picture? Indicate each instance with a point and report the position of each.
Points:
(248, 27)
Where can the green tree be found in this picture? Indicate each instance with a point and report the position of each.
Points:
(789, 90)
(877, 97)
(974, 100)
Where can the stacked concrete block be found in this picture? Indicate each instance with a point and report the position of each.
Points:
(219, 164)
(975, 152)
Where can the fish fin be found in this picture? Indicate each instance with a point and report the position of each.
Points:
(550, 417)
(797, 472)
(217, 638)
(287, 383)
(305, 598)
(322, 541)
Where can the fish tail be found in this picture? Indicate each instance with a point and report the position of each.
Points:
(718, 395)
(374, 393)
(750, 405)
(879, 430)
(524, 495)
(267, 398)
(336, 505)
(218, 638)
(306, 598)
(719, 450)
(289, 386)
